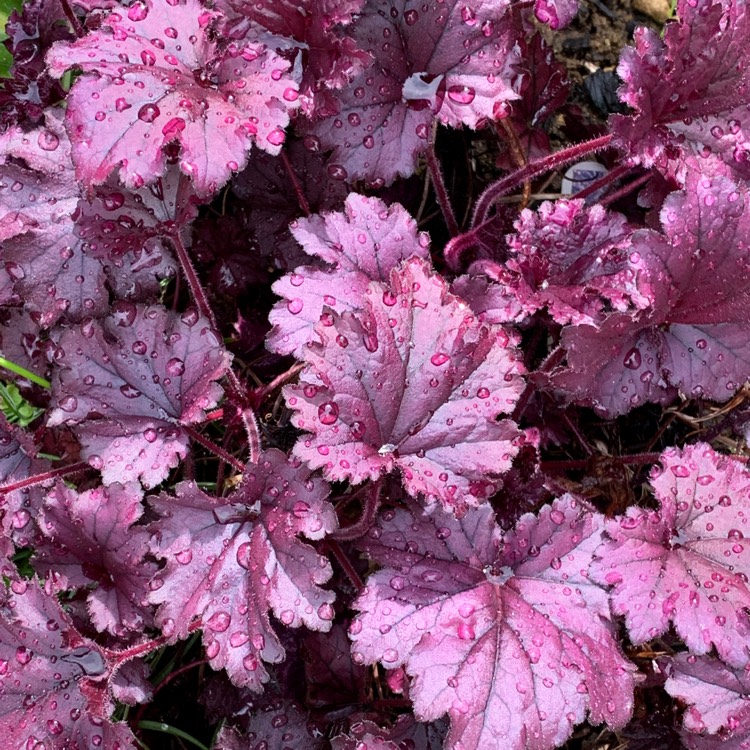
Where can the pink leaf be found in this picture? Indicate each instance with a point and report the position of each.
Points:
(688, 90)
(695, 335)
(53, 679)
(505, 634)
(574, 260)
(127, 382)
(687, 562)
(444, 60)
(92, 539)
(716, 696)
(556, 13)
(414, 383)
(152, 76)
(56, 248)
(231, 560)
(363, 243)
(332, 57)
(276, 726)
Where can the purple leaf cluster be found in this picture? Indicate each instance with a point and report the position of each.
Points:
(313, 436)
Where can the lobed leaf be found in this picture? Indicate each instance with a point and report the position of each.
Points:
(413, 383)
(53, 680)
(688, 91)
(231, 560)
(694, 337)
(449, 60)
(363, 243)
(127, 383)
(153, 75)
(92, 539)
(505, 634)
(686, 563)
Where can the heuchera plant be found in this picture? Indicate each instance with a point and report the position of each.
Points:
(312, 436)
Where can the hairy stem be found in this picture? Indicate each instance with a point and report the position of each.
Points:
(343, 561)
(238, 393)
(196, 288)
(260, 393)
(217, 450)
(62, 471)
(438, 183)
(303, 204)
(552, 360)
(71, 16)
(534, 169)
(608, 200)
(601, 182)
(518, 155)
(369, 512)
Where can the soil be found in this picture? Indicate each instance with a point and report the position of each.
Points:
(590, 49)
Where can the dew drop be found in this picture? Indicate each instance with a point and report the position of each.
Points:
(440, 358)
(219, 621)
(325, 612)
(390, 655)
(69, 403)
(328, 413)
(461, 94)
(632, 359)
(47, 141)
(96, 462)
(295, 306)
(148, 112)
(175, 366)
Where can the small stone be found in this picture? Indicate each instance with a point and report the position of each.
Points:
(658, 10)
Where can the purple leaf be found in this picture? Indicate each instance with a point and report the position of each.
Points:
(414, 383)
(276, 726)
(127, 382)
(543, 87)
(405, 733)
(54, 276)
(130, 684)
(695, 336)
(688, 90)
(152, 69)
(17, 462)
(53, 680)
(444, 60)
(332, 57)
(574, 260)
(330, 674)
(270, 203)
(716, 696)
(491, 301)
(117, 222)
(363, 243)
(685, 563)
(38, 187)
(92, 539)
(231, 560)
(505, 634)
(31, 30)
(58, 252)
